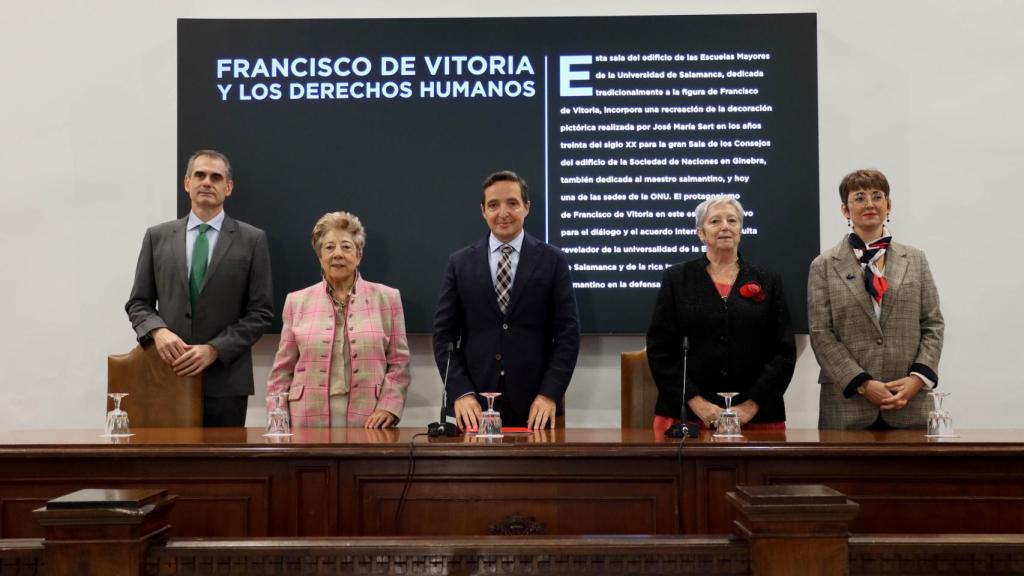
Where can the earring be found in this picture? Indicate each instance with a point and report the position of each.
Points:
(848, 223)
(887, 219)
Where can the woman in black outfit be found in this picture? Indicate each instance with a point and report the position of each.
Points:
(735, 318)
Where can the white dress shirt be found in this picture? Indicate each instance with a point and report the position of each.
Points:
(495, 255)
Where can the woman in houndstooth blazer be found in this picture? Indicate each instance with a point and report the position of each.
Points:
(344, 357)
(875, 324)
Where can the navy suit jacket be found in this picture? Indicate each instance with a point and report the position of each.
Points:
(531, 350)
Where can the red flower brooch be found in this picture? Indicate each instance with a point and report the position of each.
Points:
(753, 291)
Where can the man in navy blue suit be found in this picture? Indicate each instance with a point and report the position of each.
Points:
(508, 307)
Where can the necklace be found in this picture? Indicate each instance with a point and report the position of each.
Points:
(725, 269)
(339, 302)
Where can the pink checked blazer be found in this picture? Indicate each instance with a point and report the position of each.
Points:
(378, 354)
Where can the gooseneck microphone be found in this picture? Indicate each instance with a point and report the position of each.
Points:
(443, 427)
(684, 429)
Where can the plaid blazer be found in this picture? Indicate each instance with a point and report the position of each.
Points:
(849, 341)
(378, 354)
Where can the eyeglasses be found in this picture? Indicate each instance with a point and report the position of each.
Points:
(861, 198)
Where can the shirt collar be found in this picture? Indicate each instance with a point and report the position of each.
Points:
(216, 222)
(516, 243)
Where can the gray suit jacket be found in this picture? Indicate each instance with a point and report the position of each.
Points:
(235, 304)
(849, 341)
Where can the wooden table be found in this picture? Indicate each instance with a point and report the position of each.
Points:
(236, 483)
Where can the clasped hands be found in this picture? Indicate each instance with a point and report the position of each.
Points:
(892, 395)
(542, 412)
(185, 359)
(709, 412)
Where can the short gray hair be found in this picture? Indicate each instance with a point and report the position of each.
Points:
(344, 221)
(208, 154)
(701, 213)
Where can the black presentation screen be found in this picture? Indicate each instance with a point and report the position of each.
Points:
(621, 125)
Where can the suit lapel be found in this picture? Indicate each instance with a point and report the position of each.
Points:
(895, 272)
(178, 251)
(852, 275)
(482, 263)
(524, 270)
(224, 239)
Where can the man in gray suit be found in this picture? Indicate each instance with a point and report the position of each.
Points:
(202, 292)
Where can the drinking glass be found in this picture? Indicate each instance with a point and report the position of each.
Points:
(117, 419)
(728, 420)
(279, 422)
(490, 421)
(940, 422)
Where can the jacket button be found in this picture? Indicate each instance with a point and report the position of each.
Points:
(879, 341)
(723, 338)
(355, 370)
(354, 355)
(725, 373)
(188, 315)
(505, 326)
(497, 356)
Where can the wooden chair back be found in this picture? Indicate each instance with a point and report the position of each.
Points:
(157, 397)
(638, 390)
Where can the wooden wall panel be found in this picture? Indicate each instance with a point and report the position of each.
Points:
(716, 480)
(916, 495)
(316, 502)
(207, 507)
(563, 505)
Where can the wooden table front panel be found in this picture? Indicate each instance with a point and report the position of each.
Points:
(232, 483)
(578, 496)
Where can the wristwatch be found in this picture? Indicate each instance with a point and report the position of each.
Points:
(861, 389)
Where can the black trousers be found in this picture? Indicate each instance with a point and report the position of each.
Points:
(224, 412)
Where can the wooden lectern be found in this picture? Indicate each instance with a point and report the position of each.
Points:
(157, 397)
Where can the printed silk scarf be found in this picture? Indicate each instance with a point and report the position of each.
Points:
(868, 255)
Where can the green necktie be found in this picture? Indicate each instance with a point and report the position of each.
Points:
(200, 256)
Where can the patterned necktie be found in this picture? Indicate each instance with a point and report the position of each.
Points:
(200, 256)
(504, 278)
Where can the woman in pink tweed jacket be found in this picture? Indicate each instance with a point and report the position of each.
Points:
(344, 357)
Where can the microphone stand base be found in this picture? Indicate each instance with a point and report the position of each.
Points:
(683, 430)
(439, 429)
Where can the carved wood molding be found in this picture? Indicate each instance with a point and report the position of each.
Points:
(18, 566)
(238, 563)
(529, 556)
(966, 554)
(21, 557)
